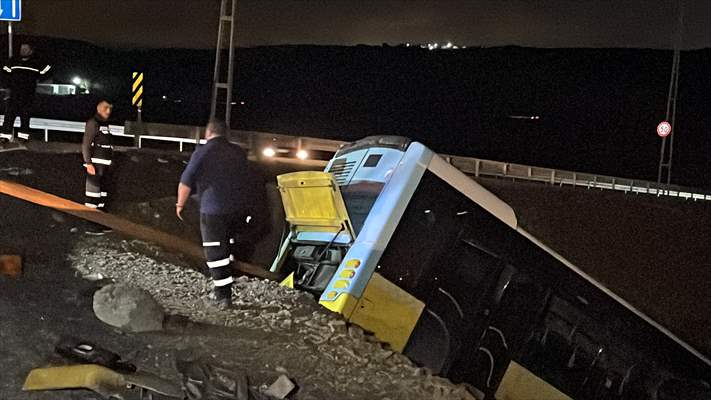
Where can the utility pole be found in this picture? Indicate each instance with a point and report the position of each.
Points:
(220, 82)
(665, 158)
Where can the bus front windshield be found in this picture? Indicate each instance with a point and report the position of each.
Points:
(359, 198)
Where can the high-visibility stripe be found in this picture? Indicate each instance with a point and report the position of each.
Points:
(6, 68)
(90, 205)
(101, 161)
(101, 205)
(137, 96)
(210, 244)
(44, 71)
(232, 240)
(106, 146)
(223, 282)
(22, 135)
(249, 218)
(137, 81)
(104, 194)
(219, 263)
(5, 136)
(22, 67)
(93, 194)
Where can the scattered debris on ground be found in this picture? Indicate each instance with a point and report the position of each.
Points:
(11, 265)
(315, 349)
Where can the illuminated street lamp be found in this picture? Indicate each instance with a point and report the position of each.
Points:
(76, 80)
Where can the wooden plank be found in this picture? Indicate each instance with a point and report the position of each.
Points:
(121, 225)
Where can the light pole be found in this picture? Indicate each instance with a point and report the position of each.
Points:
(671, 103)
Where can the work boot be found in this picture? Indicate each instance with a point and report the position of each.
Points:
(220, 304)
(224, 304)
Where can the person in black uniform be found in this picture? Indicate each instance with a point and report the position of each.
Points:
(220, 173)
(97, 152)
(22, 74)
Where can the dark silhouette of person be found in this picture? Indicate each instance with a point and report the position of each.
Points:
(22, 74)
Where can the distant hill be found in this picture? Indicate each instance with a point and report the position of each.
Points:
(598, 108)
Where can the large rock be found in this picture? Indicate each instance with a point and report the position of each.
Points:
(128, 307)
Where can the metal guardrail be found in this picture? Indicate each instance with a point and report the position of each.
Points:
(487, 168)
(252, 140)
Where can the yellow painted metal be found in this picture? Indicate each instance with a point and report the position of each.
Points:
(288, 281)
(521, 384)
(388, 311)
(89, 376)
(343, 304)
(313, 202)
(137, 89)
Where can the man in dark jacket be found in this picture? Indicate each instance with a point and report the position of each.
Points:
(220, 173)
(22, 74)
(97, 152)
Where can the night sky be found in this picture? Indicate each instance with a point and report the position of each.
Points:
(545, 23)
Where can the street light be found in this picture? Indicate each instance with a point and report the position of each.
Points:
(76, 80)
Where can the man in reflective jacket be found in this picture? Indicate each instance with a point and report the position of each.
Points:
(97, 152)
(22, 73)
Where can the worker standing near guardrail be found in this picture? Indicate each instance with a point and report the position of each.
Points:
(97, 152)
(22, 74)
(220, 172)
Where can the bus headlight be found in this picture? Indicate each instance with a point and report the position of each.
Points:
(269, 152)
(302, 154)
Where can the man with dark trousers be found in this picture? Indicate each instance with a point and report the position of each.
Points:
(220, 173)
(97, 152)
(22, 73)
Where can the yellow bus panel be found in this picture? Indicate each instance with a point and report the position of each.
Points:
(520, 384)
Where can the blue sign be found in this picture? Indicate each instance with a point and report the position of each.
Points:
(10, 10)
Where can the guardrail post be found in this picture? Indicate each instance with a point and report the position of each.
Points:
(552, 177)
(476, 167)
(46, 135)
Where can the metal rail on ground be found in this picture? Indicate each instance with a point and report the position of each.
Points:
(121, 225)
(254, 141)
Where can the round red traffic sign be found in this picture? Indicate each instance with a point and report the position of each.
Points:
(664, 129)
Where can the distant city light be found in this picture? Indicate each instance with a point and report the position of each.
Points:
(269, 152)
(76, 80)
(436, 46)
(302, 154)
(534, 117)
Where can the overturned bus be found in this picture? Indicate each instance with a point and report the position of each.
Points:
(400, 242)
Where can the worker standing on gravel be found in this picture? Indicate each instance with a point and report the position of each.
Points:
(219, 171)
(97, 152)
